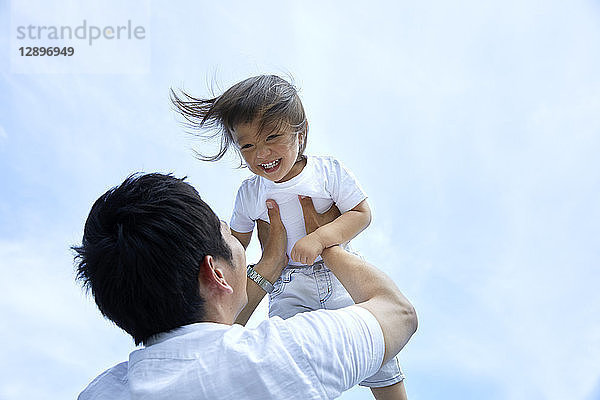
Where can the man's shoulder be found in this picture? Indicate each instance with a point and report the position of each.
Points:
(352, 313)
(342, 347)
(275, 329)
(110, 384)
(312, 326)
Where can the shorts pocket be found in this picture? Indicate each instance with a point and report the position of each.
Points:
(324, 287)
(280, 284)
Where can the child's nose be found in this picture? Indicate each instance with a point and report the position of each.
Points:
(263, 151)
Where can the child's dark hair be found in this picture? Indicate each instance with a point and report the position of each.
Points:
(268, 99)
(140, 256)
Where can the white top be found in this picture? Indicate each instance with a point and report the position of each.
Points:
(324, 179)
(312, 355)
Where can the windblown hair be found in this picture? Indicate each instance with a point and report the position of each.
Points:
(268, 99)
(140, 256)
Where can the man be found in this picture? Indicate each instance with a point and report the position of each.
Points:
(162, 267)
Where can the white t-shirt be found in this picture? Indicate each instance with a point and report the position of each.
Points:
(312, 355)
(324, 179)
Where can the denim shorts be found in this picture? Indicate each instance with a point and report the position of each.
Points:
(313, 287)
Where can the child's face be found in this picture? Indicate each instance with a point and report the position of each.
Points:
(271, 155)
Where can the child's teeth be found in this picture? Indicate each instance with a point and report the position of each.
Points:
(271, 164)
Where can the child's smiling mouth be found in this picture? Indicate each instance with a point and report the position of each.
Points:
(271, 166)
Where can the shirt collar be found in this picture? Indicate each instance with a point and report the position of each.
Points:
(182, 330)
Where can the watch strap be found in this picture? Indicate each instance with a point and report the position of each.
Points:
(259, 279)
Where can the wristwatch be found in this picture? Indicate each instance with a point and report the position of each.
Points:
(259, 279)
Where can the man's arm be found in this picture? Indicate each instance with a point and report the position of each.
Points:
(272, 262)
(243, 237)
(370, 288)
(341, 230)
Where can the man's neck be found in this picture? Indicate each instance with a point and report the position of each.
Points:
(219, 313)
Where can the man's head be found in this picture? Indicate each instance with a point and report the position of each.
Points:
(148, 251)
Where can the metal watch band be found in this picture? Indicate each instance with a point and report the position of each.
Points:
(259, 279)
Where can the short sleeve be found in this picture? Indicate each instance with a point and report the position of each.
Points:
(240, 218)
(343, 346)
(111, 384)
(345, 190)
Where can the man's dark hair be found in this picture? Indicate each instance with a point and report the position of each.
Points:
(140, 256)
(268, 99)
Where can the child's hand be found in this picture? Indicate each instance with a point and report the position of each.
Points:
(307, 249)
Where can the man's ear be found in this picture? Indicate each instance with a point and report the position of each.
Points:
(211, 275)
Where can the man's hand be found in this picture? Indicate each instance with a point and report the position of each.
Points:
(275, 242)
(312, 219)
(308, 248)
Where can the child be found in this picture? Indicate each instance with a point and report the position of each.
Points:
(263, 118)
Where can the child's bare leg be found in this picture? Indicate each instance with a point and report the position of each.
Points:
(394, 392)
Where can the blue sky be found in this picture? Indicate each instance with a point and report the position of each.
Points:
(473, 126)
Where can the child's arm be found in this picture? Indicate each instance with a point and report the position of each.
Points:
(345, 227)
(263, 234)
(341, 230)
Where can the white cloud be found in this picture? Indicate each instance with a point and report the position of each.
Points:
(52, 329)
